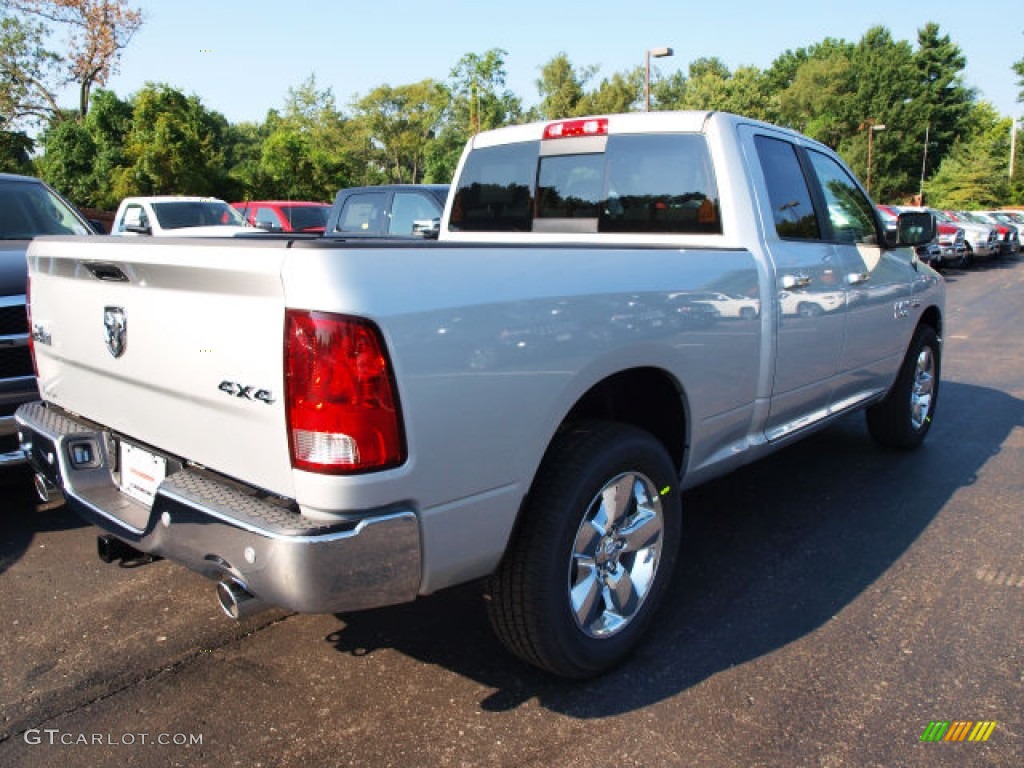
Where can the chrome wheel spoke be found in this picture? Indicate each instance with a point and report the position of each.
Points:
(622, 597)
(585, 595)
(643, 531)
(617, 500)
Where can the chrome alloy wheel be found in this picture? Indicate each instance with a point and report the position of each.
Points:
(616, 554)
(923, 389)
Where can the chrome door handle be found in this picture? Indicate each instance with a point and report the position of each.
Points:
(854, 278)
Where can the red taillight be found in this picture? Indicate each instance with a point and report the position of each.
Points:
(565, 129)
(28, 319)
(341, 400)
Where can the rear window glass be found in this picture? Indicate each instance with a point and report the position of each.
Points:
(495, 190)
(661, 183)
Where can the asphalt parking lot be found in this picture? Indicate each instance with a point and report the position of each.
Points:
(831, 602)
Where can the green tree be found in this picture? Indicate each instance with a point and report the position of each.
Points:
(82, 157)
(622, 92)
(561, 88)
(15, 149)
(334, 148)
(974, 172)
(477, 100)
(710, 85)
(401, 122)
(942, 101)
(813, 101)
(175, 146)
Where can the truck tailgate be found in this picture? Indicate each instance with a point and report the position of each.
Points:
(177, 344)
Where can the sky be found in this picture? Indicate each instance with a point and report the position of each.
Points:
(240, 57)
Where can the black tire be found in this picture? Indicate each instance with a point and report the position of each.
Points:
(554, 551)
(903, 418)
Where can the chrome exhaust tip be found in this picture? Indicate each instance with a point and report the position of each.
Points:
(236, 600)
(45, 490)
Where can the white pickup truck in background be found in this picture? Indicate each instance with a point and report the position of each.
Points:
(331, 425)
(178, 216)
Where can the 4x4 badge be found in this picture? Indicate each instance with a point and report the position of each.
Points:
(116, 326)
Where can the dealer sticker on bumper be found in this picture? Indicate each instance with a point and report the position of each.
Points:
(141, 472)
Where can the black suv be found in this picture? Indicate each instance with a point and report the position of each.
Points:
(27, 208)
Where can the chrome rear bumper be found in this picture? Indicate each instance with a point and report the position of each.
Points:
(226, 530)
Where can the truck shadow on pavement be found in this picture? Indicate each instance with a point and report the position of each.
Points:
(21, 516)
(770, 553)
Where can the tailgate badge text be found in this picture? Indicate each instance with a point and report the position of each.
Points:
(246, 392)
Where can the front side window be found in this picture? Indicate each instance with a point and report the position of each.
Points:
(266, 218)
(410, 208)
(790, 198)
(849, 211)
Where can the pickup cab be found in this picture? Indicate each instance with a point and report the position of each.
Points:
(388, 210)
(178, 216)
(331, 425)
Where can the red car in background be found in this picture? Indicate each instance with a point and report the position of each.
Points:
(285, 215)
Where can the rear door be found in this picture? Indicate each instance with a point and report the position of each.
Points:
(810, 308)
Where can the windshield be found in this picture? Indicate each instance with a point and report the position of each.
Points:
(28, 209)
(177, 214)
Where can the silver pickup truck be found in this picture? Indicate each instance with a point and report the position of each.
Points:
(617, 309)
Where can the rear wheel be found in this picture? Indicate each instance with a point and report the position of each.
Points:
(904, 417)
(594, 553)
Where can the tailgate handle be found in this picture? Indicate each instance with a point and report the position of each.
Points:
(108, 272)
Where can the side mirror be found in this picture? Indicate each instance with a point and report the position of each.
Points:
(97, 226)
(915, 228)
(428, 229)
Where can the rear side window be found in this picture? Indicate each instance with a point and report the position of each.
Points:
(787, 190)
(364, 212)
(661, 183)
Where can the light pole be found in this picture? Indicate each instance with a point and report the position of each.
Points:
(656, 53)
(924, 163)
(872, 126)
